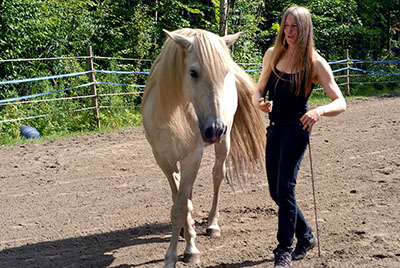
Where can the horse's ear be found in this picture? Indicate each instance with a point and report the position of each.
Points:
(182, 40)
(231, 38)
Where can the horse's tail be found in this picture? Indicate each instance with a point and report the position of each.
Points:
(248, 131)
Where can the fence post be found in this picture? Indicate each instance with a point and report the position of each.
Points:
(348, 73)
(92, 79)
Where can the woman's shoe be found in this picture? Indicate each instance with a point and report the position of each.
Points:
(302, 247)
(282, 259)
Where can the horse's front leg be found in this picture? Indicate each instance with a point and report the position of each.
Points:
(181, 212)
(221, 153)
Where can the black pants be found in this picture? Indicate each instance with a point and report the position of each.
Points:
(286, 145)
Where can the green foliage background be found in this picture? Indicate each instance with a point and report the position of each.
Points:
(369, 29)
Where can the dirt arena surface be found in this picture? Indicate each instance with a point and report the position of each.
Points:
(101, 201)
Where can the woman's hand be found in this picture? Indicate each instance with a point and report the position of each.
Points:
(266, 107)
(310, 118)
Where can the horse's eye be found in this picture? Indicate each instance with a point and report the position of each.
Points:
(193, 74)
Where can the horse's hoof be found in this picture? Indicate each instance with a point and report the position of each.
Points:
(191, 258)
(213, 231)
(169, 264)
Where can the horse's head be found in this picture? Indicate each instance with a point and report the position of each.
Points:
(209, 80)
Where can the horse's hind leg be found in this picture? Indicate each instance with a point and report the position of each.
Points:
(221, 152)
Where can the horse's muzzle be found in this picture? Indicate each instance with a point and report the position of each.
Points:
(214, 132)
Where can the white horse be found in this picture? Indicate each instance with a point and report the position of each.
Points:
(196, 95)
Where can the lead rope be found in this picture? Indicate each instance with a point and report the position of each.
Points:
(315, 206)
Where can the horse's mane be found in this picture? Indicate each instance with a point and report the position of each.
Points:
(248, 130)
(166, 74)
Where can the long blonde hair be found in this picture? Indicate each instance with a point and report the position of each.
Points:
(303, 50)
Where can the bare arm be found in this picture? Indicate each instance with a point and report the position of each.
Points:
(327, 81)
(258, 96)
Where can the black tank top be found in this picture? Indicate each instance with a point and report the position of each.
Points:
(286, 105)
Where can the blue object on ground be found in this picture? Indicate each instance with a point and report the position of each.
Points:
(29, 132)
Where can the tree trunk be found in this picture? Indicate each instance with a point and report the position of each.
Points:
(223, 15)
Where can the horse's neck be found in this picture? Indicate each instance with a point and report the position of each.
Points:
(167, 99)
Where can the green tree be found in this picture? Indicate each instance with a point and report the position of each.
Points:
(377, 35)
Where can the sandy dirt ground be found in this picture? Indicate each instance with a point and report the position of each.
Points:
(101, 201)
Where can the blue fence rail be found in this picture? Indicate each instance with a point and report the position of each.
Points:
(28, 98)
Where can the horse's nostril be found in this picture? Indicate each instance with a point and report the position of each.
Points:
(215, 133)
(225, 129)
(209, 133)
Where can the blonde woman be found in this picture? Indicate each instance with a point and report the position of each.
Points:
(289, 73)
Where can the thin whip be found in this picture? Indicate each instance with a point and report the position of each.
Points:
(315, 205)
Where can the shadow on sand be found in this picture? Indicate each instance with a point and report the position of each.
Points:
(85, 251)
